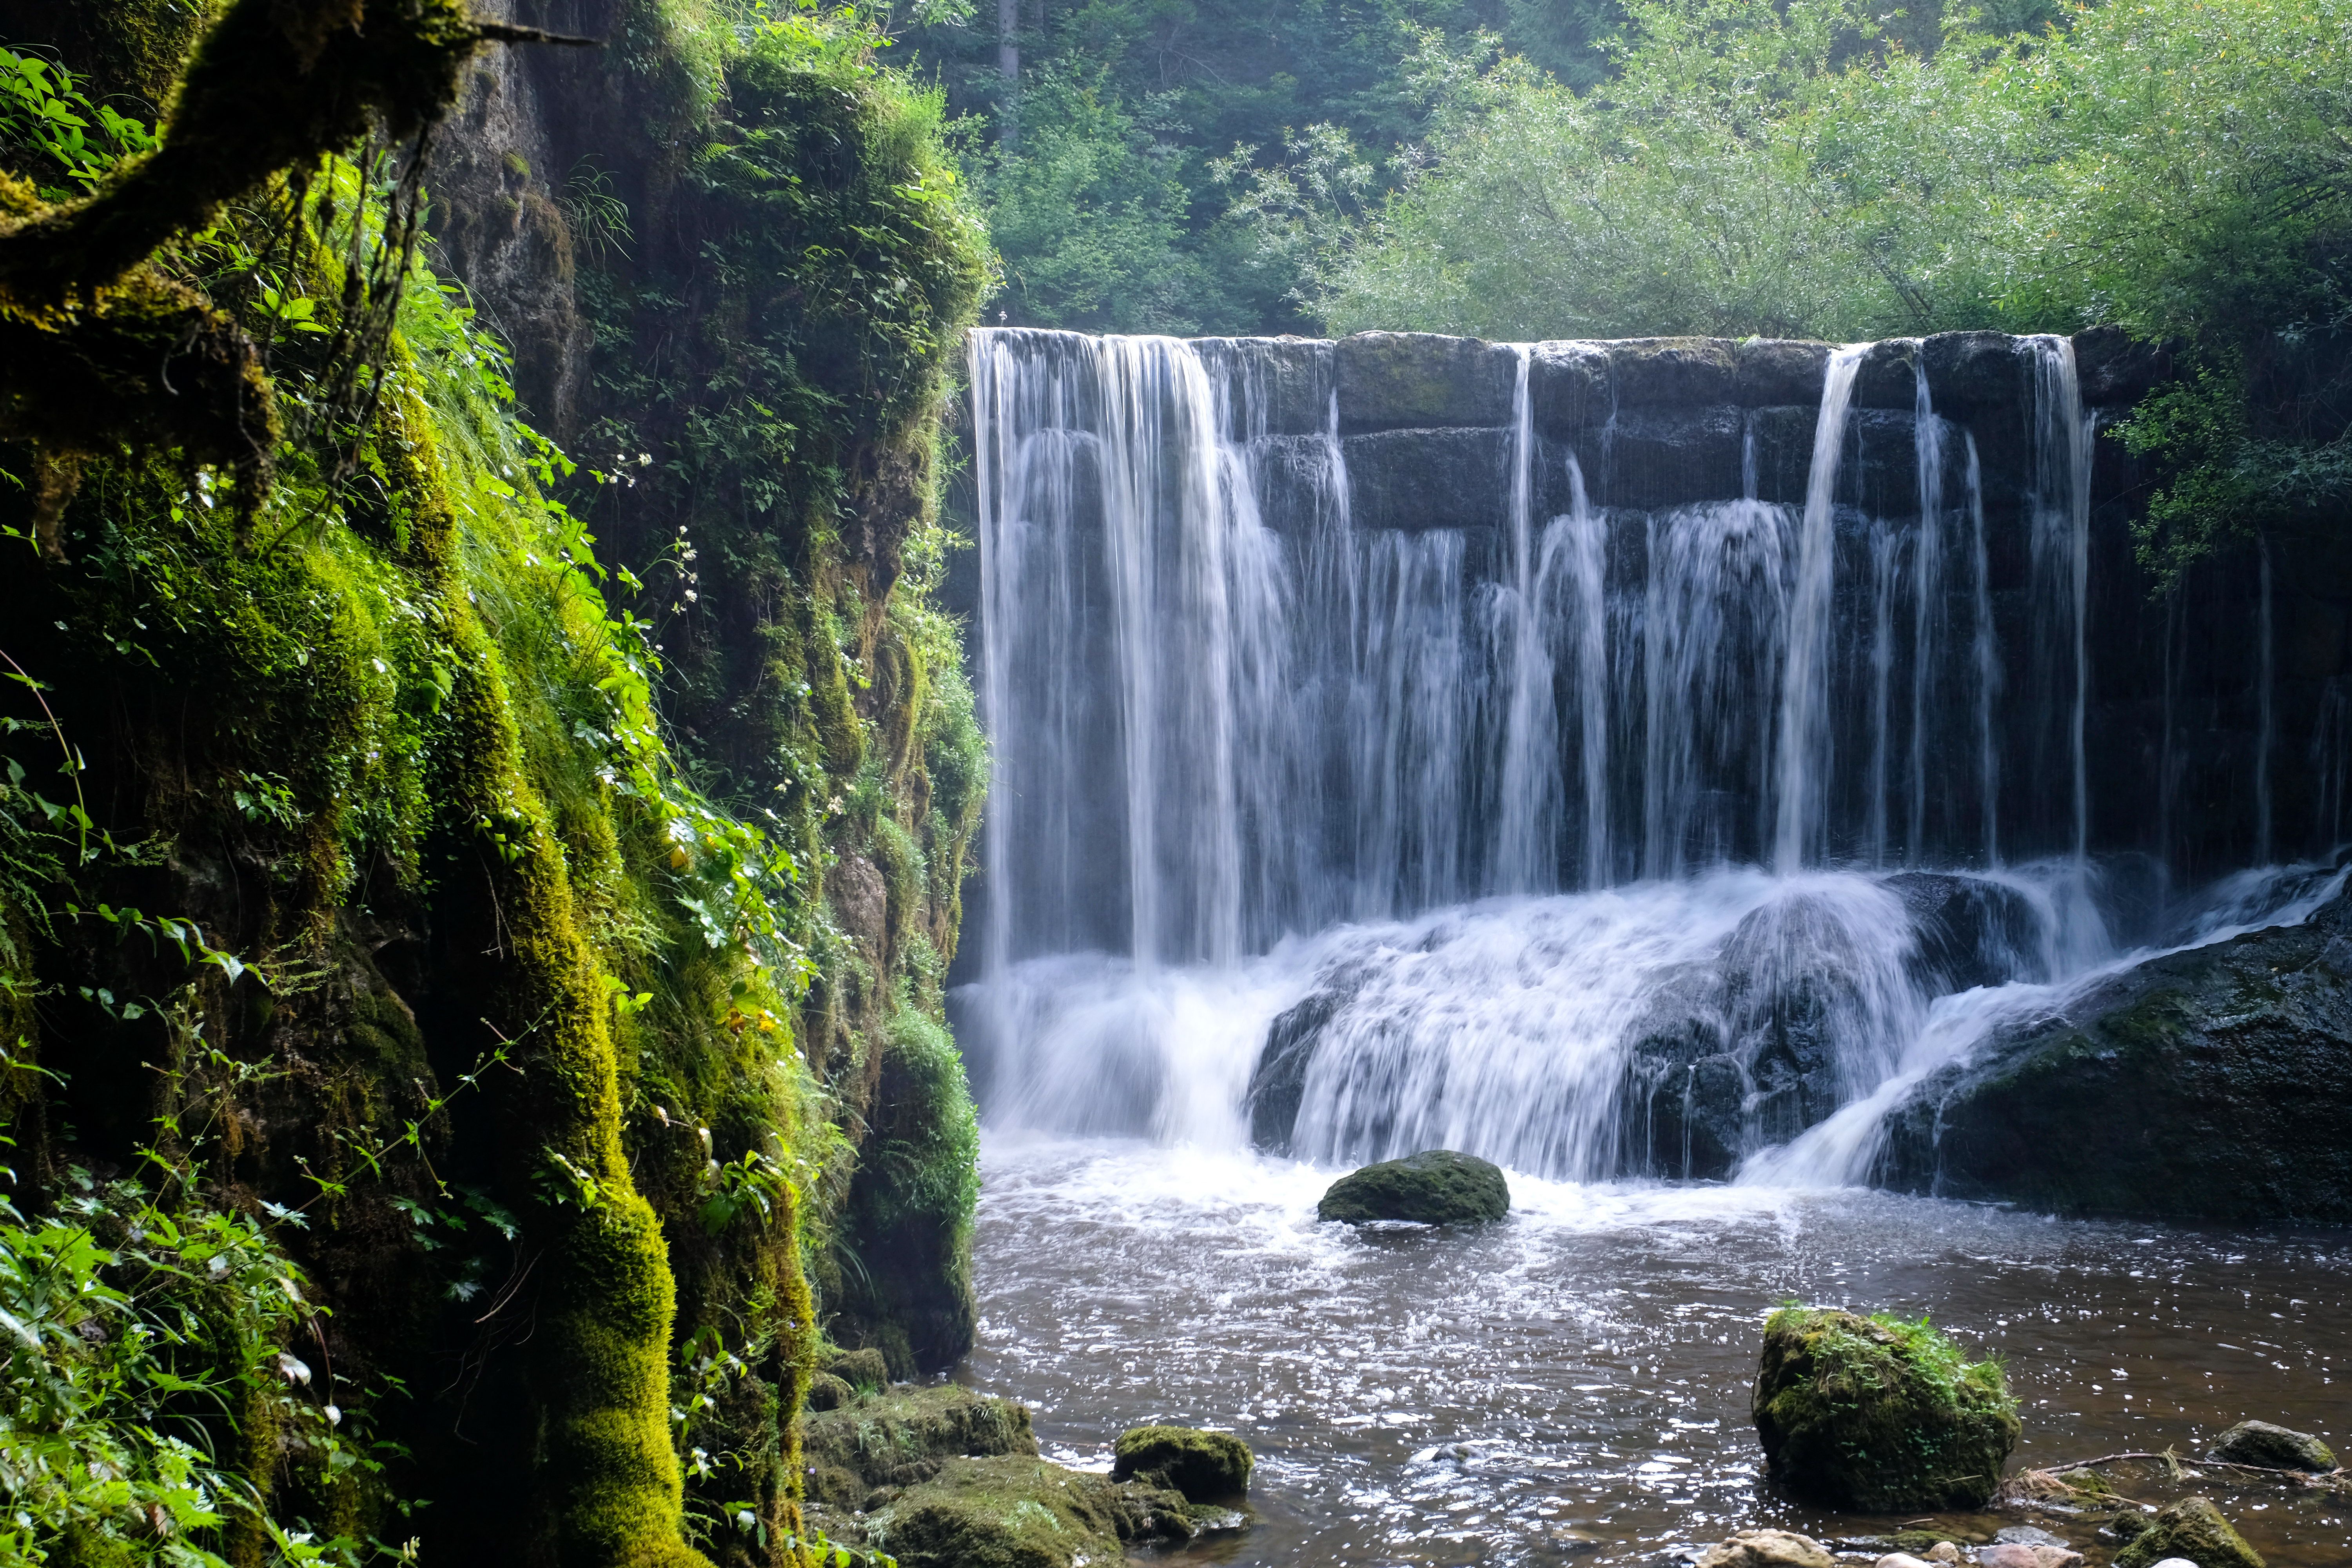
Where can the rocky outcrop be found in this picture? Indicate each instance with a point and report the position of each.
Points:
(2213, 1083)
(1878, 1415)
(1437, 1186)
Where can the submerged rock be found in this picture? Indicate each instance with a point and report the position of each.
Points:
(1437, 1186)
(1879, 1416)
(2272, 1448)
(1205, 1466)
(1767, 1548)
(2192, 1528)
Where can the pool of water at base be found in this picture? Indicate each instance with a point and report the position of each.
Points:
(1572, 1385)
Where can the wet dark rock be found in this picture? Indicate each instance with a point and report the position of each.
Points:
(1771, 372)
(1655, 458)
(2272, 1448)
(1424, 479)
(1295, 484)
(1437, 1186)
(1280, 1081)
(2111, 367)
(1879, 1416)
(1784, 450)
(1569, 388)
(1394, 380)
(1888, 376)
(1974, 373)
(1205, 1466)
(1284, 383)
(1971, 931)
(2192, 1528)
(1677, 373)
(1683, 1092)
(2207, 1084)
(1767, 1548)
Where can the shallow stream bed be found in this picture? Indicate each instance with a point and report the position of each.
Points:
(1572, 1385)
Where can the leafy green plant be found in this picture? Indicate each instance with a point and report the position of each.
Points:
(44, 111)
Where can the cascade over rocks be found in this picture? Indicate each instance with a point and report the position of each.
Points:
(1663, 757)
(1437, 1186)
(2210, 1082)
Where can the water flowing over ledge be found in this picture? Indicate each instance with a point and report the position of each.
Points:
(1392, 738)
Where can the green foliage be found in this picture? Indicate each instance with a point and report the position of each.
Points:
(1090, 212)
(1103, 180)
(2167, 166)
(43, 111)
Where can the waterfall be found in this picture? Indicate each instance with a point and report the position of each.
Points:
(1985, 654)
(1804, 737)
(1926, 605)
(1527, 817)
(1568, 802)
(2061, 508)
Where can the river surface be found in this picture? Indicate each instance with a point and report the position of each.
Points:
(1572, 1385)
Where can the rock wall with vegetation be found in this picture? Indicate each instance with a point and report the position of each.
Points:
(471, 920)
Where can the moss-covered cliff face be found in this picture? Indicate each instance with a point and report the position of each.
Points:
(736, 264)
(510, 898)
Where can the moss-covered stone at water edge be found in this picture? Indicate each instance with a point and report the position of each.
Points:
(1880, 1416)
(2273, 1448)
(1206, 1467)
(1437, 1186)
(2194, 1528)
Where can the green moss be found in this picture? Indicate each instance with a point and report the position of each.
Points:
(2194, 1528)
(1437, 1186)
(1205, 1466)
(1002, 1513)
(1879, 1415)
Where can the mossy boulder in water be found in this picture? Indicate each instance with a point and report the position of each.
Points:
(1880, 1416)
(2272, 1448)
(2192, 1528)
(1205, 1466)
(1437, 1186)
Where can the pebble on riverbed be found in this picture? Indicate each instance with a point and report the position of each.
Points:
(1767, 1548)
